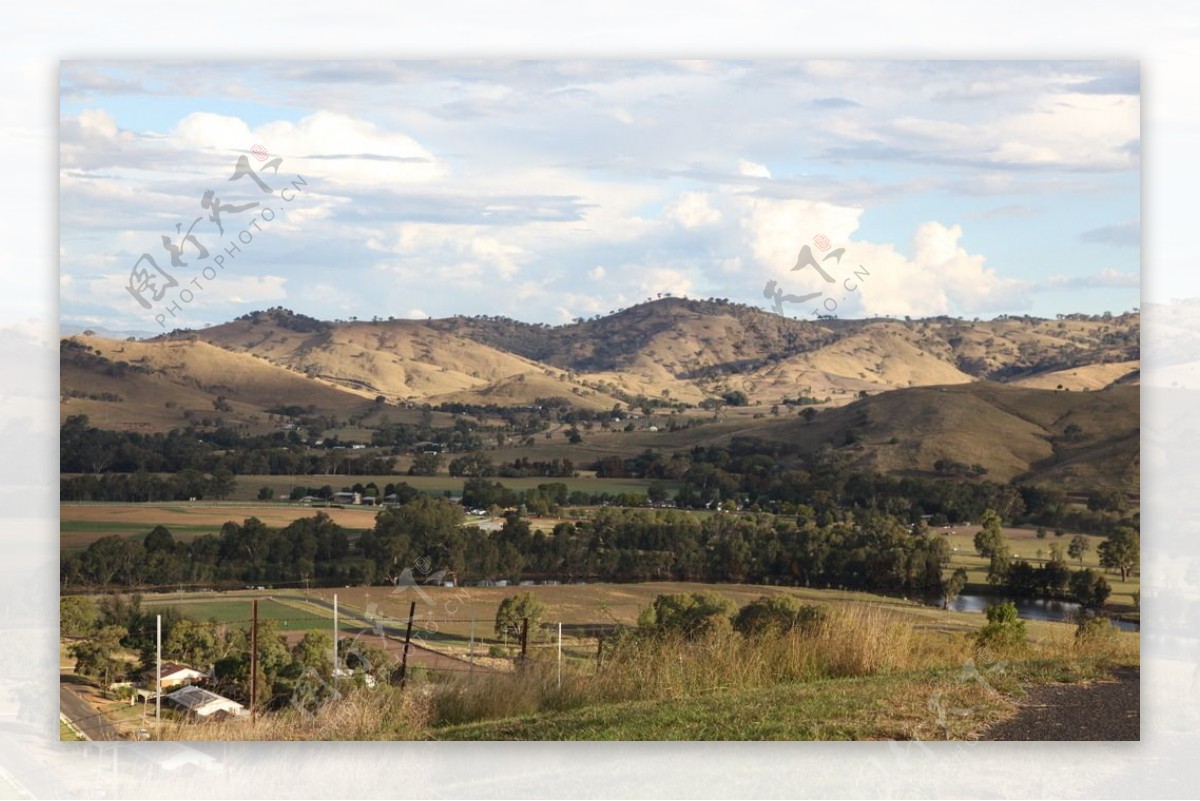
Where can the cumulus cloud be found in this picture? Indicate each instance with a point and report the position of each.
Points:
(692, 210)
(438, 184)
(940, 277)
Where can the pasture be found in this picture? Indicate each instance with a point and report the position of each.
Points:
(83, 523)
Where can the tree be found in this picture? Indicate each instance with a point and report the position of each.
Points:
(76, 615)
(694, 614)
(267, 493)
(515, 610)
(95, 655)
(1121, 551)
(1089, 588)
(1107, 500)
(222, 484)
(314, 652)
(776, 614)
(425, 464)
(991, 544)
(1078, 546)
(472, 465)
(952, 586)
(159, 539)
(192, 643)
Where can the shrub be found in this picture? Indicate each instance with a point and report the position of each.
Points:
(776, 614)
(1003, 630)
(693, 614)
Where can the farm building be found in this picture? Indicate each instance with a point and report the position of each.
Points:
(203, 703)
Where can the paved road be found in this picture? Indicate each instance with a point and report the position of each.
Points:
(86, 719)
(1108, 710)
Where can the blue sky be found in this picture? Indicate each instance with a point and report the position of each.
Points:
(547, 191)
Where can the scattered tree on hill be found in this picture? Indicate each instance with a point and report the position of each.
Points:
(515, 610)
(953, 586)
(991, 544)
(1078, 546)
(1121, 551)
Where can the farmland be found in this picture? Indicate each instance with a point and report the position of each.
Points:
(84, 523)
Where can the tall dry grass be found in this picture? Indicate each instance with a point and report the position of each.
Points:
(851, 640)
(384, 713)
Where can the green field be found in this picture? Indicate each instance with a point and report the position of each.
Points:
(214, 606)
(1025, 544)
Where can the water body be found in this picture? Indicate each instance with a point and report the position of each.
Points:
(1029, 608)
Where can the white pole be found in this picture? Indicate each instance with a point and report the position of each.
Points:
(335, 643)
(560, 655)
(158, 674)
(471, 653)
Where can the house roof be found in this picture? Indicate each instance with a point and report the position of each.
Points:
(171, 668)
(202, 701)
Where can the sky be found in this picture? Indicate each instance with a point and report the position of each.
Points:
(549, 191)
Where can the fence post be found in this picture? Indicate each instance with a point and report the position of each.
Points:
(412, 609)
(599, 650)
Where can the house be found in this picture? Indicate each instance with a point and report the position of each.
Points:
(347, 497)
(204, 703)
(173, 675)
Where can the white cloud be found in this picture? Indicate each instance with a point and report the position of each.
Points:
(941, 277)
(692, 210)
(597, 273)
(338, 148)
(622, 116)
(753, 169)
(775, 230)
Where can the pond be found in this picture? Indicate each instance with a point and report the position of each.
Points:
(1029, 608)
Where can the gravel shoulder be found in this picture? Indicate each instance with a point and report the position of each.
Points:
(1102, 710)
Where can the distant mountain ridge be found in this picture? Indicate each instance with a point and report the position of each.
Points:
(895, 395)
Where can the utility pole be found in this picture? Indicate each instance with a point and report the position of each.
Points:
(335, 644)
(158, 676)
(471, 653)
(254, 663)
(560, 655)
(412, 610)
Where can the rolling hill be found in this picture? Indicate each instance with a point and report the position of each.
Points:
(895, 395)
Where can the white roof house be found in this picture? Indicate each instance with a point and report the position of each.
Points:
(204, 703)
(173, 673)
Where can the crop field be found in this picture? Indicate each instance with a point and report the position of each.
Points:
(292, 614)
(84, 523)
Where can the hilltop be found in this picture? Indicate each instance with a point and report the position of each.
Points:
(896, 395)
